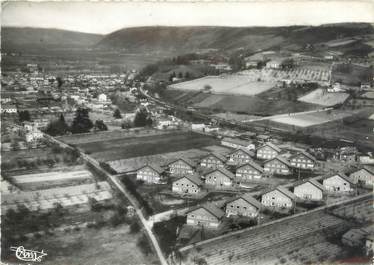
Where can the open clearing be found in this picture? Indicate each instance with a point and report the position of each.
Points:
(236, 84)
(253, 105)
(45, 180)
(132, 164)
(104, 136)
(104, 246)
(321, 97)
(146, 145)
(311, 119)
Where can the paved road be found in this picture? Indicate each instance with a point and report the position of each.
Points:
(114, 180)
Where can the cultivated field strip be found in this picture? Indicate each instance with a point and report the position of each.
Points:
(287, 234)
(52, 176)
(66, 196)
(106, 136)
(321, 97)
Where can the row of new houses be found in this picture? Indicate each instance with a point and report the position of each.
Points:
(189, 182)
(242, 159)
(210, 216)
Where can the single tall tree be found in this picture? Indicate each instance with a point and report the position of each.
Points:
(142, 119)
(81, 122)
(57, 127)
(117, 114)
(24, 115)
(100, 125)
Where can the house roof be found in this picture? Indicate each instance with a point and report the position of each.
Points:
(314, 182)
(305, 154)
(236, 141)
(220, 157)
(342, 175)
(188, 161)
(193, 178)
(248, 198)
(252, 164)
(156, 168)
(286, 192)
(317, 184)
(223, 171)
(368, 169)
(281, 159)
(248, 152)
(271, 145)
(211, 208)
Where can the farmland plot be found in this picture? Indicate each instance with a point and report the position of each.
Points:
(236, 84)
(320, 97)
(146, 145)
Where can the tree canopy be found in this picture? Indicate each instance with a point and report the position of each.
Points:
(81, 122)
(117, 114)
(100, 125)
(24, 115)
(57, 127)
(142, 118)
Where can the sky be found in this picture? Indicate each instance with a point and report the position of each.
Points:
(107, 16)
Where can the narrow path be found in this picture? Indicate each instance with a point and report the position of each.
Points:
(114, 180)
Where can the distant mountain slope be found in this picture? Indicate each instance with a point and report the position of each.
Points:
(228, 38)
(183, 40)
(12, 37)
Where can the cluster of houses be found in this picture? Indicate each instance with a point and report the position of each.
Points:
(215, 168)
(215, 174)
(281, 198)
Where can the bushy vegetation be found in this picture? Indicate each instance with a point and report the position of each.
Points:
(80, 124)
(144, 245)
(131, 186)
(166, 232)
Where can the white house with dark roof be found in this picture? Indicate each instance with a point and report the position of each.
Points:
(311, 190)
(151, 174)
(249, 171)
(244, 205)
(207, 215)
(279, 198)
(190, 184)
(338, 183)
(219, 178)
(364, 176)
(240, 157)
(181, 166)
(278, 165)
(268, 151)
(213, 160)
(303, 160)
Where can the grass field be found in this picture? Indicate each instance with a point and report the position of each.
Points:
(106, 136)
(105, 246)
(311, 119)
(351, 74)
(256, 105)
(320, 97)
(236, 84)
(26, 154)
(146, 145)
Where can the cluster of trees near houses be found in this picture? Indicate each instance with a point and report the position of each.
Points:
(81, 124)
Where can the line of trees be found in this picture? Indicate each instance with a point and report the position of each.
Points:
(81, 124)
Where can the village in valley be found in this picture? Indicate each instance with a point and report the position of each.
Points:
(258, 154)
